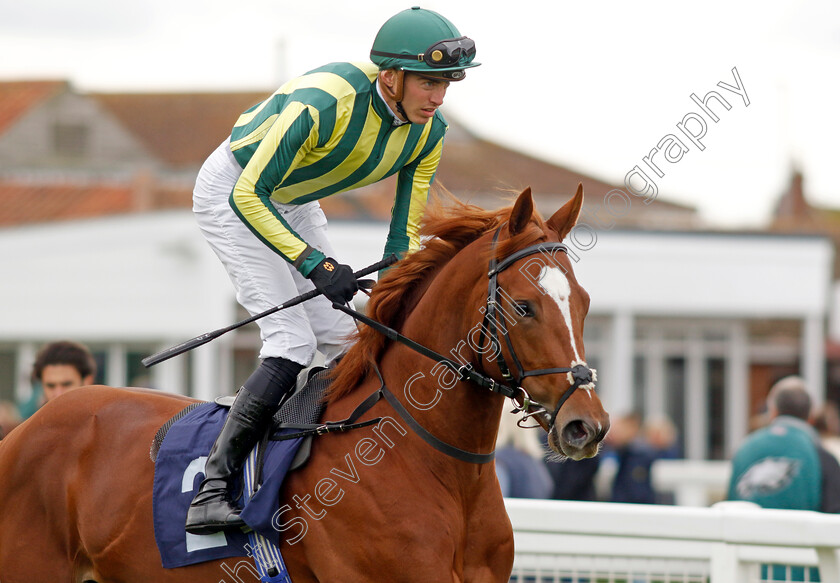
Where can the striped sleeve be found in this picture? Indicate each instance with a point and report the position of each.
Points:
(282, 144)
(413, 185)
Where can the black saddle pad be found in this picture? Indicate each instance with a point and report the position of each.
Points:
(306, 405)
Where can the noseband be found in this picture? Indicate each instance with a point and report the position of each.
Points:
(579, 375)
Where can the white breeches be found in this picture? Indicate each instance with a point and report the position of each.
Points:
(262, 278)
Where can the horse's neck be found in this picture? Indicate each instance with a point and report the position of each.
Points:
(462, 415)
(458, 417)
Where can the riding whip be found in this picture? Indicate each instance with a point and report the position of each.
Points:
(168, 353)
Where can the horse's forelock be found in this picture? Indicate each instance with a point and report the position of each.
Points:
(534, 232)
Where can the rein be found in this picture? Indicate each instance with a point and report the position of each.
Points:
(579, 375)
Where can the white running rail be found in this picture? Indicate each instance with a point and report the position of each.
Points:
(731, 542)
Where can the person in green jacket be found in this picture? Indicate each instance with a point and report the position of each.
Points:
(336, 128)
(783, 465)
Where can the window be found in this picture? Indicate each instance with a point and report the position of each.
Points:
(639, 383)
(675, 382)
(7, 375)
(137, 375)
(716, 411)
(70, 139)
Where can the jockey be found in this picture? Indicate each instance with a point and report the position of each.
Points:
(339, 127)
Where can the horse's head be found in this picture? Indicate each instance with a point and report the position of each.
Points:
(509, 268)
(535, 315)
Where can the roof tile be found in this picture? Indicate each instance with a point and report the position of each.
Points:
(18, 97)
(180, 128)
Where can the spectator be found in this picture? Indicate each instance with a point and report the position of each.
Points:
(573, 480)
(633, 458)
(662, 437)
(660, 434)
(783, 464)
(519, 461)
(62, 366)
(827, 424)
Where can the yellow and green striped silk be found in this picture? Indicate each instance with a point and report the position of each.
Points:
(321, 134)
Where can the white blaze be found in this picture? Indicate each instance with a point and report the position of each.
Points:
(556, 285)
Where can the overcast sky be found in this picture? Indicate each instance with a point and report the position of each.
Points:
(595, 86)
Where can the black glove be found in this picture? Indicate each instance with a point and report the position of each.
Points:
(335, 280)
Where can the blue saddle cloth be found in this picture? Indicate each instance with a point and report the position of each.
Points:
(179, 469)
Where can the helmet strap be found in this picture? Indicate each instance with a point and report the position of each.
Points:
(396, 91)
(399, 81)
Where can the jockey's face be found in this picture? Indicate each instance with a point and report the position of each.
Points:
(422, 96)
(57, 379)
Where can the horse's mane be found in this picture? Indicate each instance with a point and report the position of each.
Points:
(449, 225)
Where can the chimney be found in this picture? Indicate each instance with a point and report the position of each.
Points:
(143, 190)
(793, 211)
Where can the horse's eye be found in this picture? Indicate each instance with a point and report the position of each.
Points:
(525, 309)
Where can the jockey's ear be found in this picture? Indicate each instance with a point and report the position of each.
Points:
(522, 211)
(564, 219)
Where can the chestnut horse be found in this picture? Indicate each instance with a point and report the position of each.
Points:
(388, 502)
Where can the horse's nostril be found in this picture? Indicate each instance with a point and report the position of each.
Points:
(576, 433)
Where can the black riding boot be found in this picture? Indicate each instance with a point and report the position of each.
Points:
(212, 509)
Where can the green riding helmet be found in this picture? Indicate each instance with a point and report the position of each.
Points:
(423, 41)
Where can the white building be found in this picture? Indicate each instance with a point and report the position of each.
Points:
(685, 323)
(680, 323)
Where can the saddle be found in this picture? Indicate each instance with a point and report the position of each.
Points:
(179, 450)
(300, 410)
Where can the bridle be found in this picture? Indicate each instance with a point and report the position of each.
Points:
(579, 374)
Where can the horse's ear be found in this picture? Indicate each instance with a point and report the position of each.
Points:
(522, 211)
(564, 219)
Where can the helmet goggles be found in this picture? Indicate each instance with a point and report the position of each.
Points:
(448, 52)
